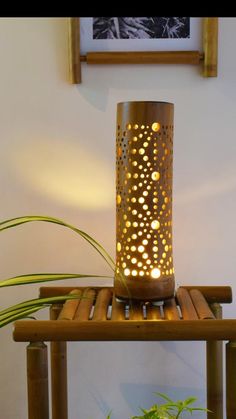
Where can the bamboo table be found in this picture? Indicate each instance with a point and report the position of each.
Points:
(194, 314)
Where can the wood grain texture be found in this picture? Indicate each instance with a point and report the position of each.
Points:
(74, 50)
(37, 381)
(214, 372)
(136, 311)
(84, 309)
(144, 57)
(101, 305)
(231, 380)
(58, 353)
(185, 302)
(171, 310)
(70, 306)
(202, 308)
(210, 46)
(213, 294)
(124, 330)
(153, 312)
(118, 309)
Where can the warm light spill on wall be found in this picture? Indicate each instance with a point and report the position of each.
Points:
(144, 200)
(67, 173)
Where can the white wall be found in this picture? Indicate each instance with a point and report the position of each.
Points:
(58, 139)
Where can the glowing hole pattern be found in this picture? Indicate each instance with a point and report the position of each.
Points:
(144, 199)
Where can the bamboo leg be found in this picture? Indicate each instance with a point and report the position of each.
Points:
(215, 372)
(37, 380)
(231, 380)
(58, 374)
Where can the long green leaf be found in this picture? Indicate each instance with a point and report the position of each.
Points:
(38, 301)
(14, 312)
(43, 277)
(19, 315)
(14, 222)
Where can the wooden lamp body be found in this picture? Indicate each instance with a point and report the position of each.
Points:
(144, 161)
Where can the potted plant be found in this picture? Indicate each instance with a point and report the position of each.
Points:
(168, 410)
(27, 308)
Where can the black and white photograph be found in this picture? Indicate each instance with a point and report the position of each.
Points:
(141, 27)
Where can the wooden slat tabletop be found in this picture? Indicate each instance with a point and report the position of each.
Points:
(97, 311)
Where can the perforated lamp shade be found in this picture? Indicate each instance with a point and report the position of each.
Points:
(144, 160)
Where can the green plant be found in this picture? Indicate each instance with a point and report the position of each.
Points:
(27, 308)
(168, 410)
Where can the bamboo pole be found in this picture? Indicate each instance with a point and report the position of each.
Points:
(231, 379)
(63, 330)
(118, 309)
(214, 368)
(37, 381)
(170, 310)
(210, 46)
(136, 310)
(213, 294)
(153, 312)
(74, 50)
(144, 57)
(201, 306)
(58, 373)
(186, 305)
(101, 305)
(83, 311)
(70, 306)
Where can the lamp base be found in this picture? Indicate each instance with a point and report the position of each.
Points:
(144, 290)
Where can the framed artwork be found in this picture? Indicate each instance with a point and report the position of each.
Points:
(164, 40)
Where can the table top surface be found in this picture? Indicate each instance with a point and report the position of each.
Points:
(94, 313)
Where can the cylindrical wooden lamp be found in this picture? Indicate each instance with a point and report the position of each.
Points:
(144, 156)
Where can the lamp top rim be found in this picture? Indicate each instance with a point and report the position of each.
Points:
(145, 102)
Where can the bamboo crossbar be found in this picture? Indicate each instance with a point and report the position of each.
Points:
(143, 57)
(148, 330)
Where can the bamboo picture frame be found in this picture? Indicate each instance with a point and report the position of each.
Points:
(206, 59)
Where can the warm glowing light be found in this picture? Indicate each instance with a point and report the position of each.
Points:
(118, 246)
(127, 272)
(155, 225)
(155, 273)
(133, 260)
(141, 249)
(118, 199)
(134, 272)
(61, 176)
(155, 176)
(156, 126)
